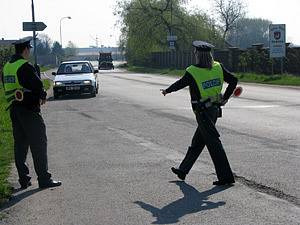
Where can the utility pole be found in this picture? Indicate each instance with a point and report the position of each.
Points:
(34, 36)
(171, 18)
(97, 41)
(34, 26)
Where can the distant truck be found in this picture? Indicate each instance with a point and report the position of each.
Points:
(105, 61)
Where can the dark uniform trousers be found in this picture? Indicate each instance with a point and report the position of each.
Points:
(29, 130)
(207, 135)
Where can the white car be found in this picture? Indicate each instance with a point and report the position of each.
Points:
(75, 77)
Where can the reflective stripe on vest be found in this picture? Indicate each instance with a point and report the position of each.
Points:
(10, 78)
(209, 81)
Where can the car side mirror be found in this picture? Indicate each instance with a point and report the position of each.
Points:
(53, 73)
(96, 71)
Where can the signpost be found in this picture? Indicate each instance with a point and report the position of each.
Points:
(172, 40)
(277, 39)
(34, 26)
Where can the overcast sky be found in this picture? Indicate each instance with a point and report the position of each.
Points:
(91, 18)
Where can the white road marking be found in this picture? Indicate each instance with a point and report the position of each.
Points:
(240, 107)
(254, 106)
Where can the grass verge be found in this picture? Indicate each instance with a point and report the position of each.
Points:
(284, 79)
(6, 145)
(47, 84)
(6, 148)
(45, 68)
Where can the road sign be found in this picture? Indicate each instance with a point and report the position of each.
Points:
(277, 40)
(172, 44)
(171, 38)
(34, 26)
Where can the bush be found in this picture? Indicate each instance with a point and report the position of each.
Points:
(255, 60)
(5, 54)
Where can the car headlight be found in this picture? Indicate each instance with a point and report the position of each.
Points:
(58, 83)
(87, 82)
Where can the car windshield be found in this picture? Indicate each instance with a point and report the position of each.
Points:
(74, 68)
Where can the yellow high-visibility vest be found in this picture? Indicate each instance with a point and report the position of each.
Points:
(10, 78)
(209, 81)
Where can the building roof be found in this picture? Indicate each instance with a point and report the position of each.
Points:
(6, 42)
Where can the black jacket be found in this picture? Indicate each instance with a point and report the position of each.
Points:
(29, 79)
(188, 80)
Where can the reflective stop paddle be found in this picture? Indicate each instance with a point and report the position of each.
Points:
(237, 91)
(19, 95)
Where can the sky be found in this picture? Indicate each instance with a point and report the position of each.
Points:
(94, 18)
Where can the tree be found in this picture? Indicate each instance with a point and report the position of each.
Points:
(44, 44)
(249, 31)
(57, 51)
(228, 12)
(5, 54)
(147, 23)
(71, 49)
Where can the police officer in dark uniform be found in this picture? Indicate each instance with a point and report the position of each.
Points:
(205, 80)
(25, 94)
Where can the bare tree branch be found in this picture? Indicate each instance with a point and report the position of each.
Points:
(229, 11)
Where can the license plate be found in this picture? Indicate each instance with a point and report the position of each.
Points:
(72, 88)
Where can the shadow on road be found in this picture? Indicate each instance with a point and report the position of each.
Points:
(192, 202)
(70, 97)
(19, 197)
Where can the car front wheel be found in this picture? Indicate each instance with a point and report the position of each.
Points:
(94, 92)
(55, 95)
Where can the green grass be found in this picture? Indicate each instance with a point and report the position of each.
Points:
(6, 148)
(47, 84)
(6, 145)
(171, 72)
(45, 68)
(284, 79)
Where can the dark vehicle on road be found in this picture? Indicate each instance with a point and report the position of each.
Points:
(105, 61)
(75, 77)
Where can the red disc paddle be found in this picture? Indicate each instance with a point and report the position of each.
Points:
(19, 96)
(238, 91)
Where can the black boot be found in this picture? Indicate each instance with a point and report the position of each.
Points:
(223, 182)
(180, 174)
(25, 185)
(25, 182)
(49, 183)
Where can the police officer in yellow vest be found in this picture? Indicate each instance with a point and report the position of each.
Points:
(205, 80)
(25, 94)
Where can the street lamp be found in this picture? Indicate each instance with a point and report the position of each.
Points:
(66, 17)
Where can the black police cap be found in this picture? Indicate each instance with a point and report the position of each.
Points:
(23, 42)
(203, 46)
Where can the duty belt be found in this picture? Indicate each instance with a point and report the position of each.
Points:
(209, 102)
(204, 104)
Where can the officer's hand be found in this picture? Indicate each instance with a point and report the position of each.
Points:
(42, 101)
(164, 92)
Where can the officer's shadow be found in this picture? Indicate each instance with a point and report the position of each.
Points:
(19, 195)
(193, 201)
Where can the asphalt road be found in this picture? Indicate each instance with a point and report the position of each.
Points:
(114, 153)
